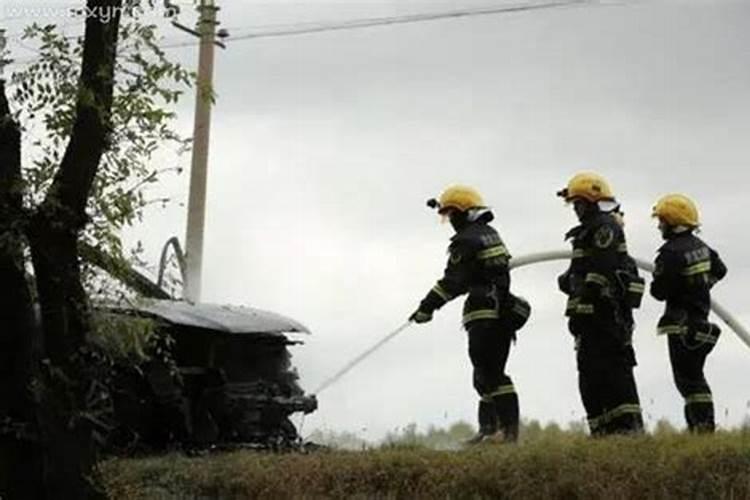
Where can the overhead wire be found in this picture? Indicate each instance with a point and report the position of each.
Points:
(313, 27)
(410, 18)
(292, 29)
(317, 27)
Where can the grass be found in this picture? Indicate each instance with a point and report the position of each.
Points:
(567, 467)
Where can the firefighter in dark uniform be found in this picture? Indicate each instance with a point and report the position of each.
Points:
(478, 266)
(602, 285)
(686, 269)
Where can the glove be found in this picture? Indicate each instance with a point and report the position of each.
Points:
(420, 316)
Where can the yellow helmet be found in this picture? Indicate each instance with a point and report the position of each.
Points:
(589, 186)
(460, 198)
(676, 210)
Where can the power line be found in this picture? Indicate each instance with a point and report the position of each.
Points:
(312, 27)
(412, 18)
(307, 28)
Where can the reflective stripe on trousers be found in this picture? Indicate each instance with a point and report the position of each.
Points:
(623, 409)
(703, 397)
(501, 391)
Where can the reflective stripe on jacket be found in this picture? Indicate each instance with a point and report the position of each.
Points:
(599, 252)
(685, 271)
(477, 266)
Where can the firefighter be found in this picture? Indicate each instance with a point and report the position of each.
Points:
(478, 266)
(602, 285)
(685, 271)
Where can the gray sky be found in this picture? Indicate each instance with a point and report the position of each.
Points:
(326, 146)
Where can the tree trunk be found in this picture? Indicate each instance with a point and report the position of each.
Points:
(20, 453)
(68, 368)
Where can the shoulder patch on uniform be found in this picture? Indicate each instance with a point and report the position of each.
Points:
(455, 258)
(604, 237)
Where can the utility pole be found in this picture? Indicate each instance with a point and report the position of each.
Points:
(201, 134)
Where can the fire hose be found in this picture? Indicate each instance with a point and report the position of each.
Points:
(717, 308)
(526, 260)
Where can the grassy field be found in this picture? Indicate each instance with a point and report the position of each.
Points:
(569, 466)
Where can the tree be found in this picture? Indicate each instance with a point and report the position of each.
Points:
(99, 100)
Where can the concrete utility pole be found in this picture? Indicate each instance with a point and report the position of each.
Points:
(201, 134)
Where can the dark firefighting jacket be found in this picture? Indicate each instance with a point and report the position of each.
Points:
(602, 282)
(477, 266)
(685, 271)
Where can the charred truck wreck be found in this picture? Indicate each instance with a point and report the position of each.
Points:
(218, 376)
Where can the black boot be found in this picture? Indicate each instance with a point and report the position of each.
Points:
(628, 424)
(700, 417)
(487, 415)
(508, 416)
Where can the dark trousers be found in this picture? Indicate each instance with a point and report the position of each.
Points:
(607, 385)
(489, 346)
(688, 357)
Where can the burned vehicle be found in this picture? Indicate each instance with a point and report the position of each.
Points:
(215, 376)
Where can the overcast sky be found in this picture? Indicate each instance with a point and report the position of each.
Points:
(326, 146)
